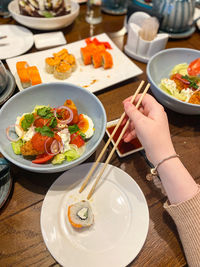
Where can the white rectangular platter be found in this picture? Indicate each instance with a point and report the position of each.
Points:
(85, 76)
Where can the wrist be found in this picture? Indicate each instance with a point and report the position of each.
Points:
(157, 157)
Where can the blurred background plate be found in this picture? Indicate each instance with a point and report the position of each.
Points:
(9, 90)
(15, 35)
(5, 181)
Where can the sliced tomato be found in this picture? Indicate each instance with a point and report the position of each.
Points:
(77, 140)
(40, 159)
(194, 67)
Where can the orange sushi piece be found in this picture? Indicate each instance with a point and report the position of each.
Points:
(22, 72)
(86, 56)
(51, 63)
(34, 75)
(97, 60)
(62, 71)
(62, 54)
(107, 60)
(86, 53)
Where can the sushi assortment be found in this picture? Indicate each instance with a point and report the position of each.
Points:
(28, 75)
(61, 65)
(95, 52)
(43, 8)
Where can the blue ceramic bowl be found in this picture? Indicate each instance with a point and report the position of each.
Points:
(159, 66)
(53, 94)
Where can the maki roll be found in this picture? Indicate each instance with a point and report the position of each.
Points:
(97, 60)
(80, 214)
(34, 75)
(62, 71)
(22, 71)
(51, 63)
(107, 60)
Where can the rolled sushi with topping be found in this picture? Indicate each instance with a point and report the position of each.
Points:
(43, 8)
(80, 214)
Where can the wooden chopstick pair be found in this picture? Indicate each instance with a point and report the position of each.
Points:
(115, 145)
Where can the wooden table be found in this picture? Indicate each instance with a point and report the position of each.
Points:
(21, 242)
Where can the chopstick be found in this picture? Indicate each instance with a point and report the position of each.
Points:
(116, 144)
(2, 37)
(108, 142)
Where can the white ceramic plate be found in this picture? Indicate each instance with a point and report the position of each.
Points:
(84, 76)
(18, 41)
(121, 219)
(114, 123)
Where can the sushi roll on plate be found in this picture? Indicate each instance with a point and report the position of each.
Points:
(62, 71)
(80, 214)
(51, 63)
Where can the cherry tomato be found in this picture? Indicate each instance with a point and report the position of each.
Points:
(76, 139)
(194, 67)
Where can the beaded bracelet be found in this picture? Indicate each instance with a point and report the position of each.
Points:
(154, 171)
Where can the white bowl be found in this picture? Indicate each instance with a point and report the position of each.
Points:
(44, 23)
(159, 66)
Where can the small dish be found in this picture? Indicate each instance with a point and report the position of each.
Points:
(10, 88)
(123, 149)
(50, 39)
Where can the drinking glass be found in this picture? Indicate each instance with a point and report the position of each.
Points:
(93, 13)
(3, 77)
(115, 7)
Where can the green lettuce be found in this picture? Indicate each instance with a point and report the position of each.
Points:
(16, 146)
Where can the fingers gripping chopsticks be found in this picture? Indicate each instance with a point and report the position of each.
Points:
(108, 142)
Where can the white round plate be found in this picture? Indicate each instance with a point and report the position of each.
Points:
(18, 41)
(121, 219)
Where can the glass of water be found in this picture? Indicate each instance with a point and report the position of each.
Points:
(3, 77)
(93, 13)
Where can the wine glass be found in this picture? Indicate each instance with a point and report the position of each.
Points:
(3, 77)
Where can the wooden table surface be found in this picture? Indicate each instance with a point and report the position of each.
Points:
(21, 242)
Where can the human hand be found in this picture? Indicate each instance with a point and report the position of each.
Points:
(150, 125)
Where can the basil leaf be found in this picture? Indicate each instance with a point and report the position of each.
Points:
(45, 112)
(45, 131)
(73, 128)
(27, 121)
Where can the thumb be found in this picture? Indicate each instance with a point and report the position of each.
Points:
(134, 114)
